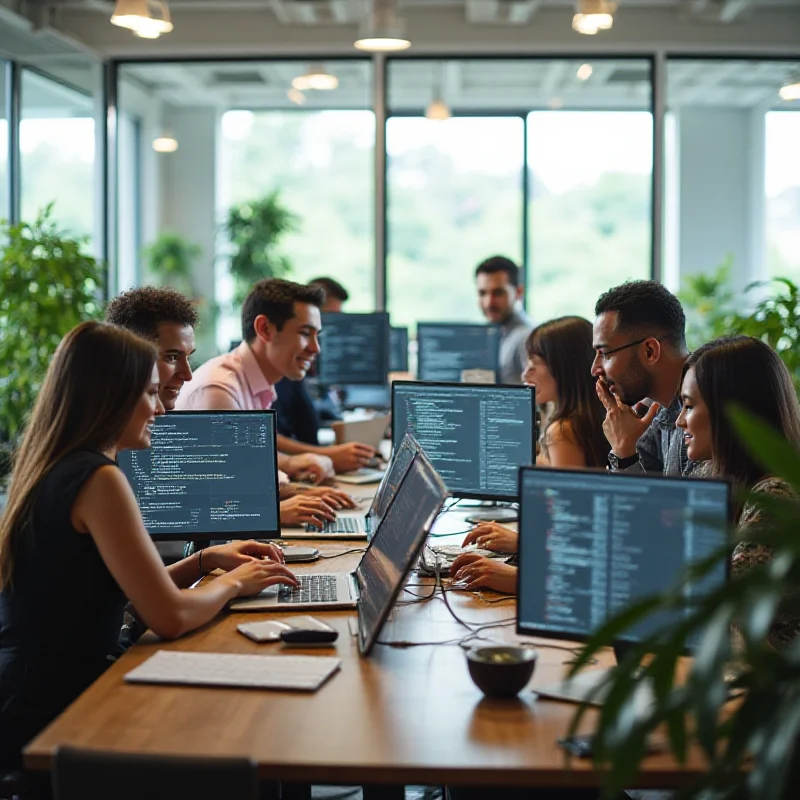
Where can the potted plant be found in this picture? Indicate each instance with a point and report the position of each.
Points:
(47, 286)
(750, 745)
(170, 260)
(254, 229)
(774, 317)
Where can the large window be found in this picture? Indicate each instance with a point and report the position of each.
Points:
(454, 198)
(211, 136)
(456, 186)
(783, 193)
(321, 164)
(590, 207)
(4, 193)
(57, 152)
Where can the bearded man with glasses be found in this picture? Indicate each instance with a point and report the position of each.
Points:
(639, 340)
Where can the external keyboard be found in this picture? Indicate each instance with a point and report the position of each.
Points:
(340, 525)
(312, 589)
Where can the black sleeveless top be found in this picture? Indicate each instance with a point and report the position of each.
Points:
(60, 622)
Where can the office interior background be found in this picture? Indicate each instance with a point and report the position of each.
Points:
(661, 147)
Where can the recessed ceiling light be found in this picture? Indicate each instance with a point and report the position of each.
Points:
(584, 72)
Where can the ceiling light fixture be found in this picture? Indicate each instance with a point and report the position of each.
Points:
(296, 96)
(165, 144)
(315, 78)
(146, 18)
(792, 90)
(438, 110)
(383, 31)
(593, 16)
(584, 72)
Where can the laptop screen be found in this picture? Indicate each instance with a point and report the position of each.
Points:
(445, 350)
(207, 475)
(476, 435)
(592, 543)
(393, 477)
(396, 546)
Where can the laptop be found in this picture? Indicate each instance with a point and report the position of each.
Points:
(379, 576)
(354, 524)
(368, 430)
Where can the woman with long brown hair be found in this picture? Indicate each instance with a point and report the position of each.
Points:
(559, 366)
(747, 372)
(73, 547)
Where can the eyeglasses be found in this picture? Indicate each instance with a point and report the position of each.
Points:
(607, 353)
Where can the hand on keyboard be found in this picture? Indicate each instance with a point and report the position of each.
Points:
(350, 456)
(333, 497)
(493, 537)
(311, 589)
(255, 576)
(303, 509)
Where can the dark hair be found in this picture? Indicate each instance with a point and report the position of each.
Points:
(565, 345)
(745, 371)
(96, 378)
(499, 264)
(332, 288)
(643, 306)
(142, 310)
(275, 299)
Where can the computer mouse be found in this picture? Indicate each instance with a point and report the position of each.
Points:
(309, 636)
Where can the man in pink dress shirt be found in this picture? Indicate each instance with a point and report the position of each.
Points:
(280, 328)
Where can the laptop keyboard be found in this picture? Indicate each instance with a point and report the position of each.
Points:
(312, 589)
(340, 525)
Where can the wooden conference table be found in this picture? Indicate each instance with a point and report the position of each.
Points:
(403, 716)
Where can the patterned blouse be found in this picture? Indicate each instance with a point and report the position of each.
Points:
(747, 555)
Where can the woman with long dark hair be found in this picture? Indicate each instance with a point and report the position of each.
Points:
(744, 371)
(73, 547)
(560, 357)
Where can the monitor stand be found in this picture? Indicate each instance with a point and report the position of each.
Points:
(579, 688)
(496, 513)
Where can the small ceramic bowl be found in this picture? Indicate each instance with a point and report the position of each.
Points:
(501, 671)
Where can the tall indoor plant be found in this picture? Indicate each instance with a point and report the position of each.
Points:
(48, 284)
(750, 745)
(254, 229)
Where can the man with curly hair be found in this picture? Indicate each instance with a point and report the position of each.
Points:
(168, 319)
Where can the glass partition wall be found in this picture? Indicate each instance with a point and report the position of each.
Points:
(548, 161)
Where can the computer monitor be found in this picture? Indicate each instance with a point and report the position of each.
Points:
(445, 350)
(591, 543)
(398, 349)
(476, 435)
(378, 397)
(208, 475)
(354, 349)
(396, 546)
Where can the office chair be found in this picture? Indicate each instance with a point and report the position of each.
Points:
(97, 775)
(10, 785)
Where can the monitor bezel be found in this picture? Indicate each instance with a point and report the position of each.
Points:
(404, 332)
(523, 629)
(201, 536)
(365, 645)
(504, 498)
(386, 346)
(421, 326)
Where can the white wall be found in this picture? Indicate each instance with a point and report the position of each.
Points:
(721, 191)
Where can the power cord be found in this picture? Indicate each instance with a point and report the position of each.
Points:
(344, 553)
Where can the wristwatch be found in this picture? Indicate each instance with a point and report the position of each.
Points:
(616, 463)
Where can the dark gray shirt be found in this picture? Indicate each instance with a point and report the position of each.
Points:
(513, 358)
(662, 448)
